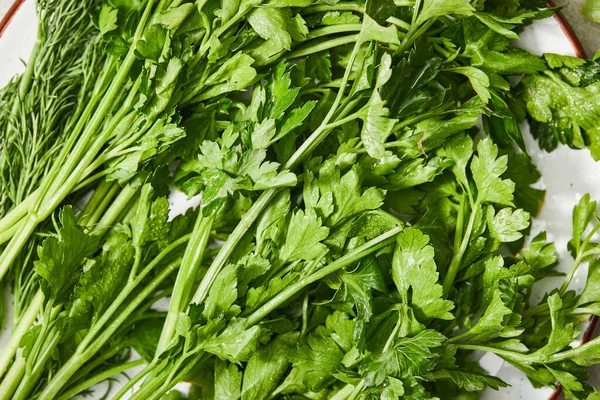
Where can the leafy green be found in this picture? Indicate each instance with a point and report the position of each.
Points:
(591, 9)
(361, 189)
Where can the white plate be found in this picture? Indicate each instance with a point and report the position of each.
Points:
(566, 174)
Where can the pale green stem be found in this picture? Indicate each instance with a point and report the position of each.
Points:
(12, 379)
(26, 321)
(88, 383)
(192, 258)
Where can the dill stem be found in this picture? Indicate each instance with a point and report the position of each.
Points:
(15, 216)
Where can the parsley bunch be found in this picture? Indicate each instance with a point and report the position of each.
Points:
(365, 199)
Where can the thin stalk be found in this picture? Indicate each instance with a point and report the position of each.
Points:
(9, 233)
(15, 216)
(569, 354)
(32, 378)
(234, 238)
(132, 382)
(456, 262)
(342, 6)
(89, 367)
(578, 261)
(26, 321)
(333, 29)
(410, 38)
(192, 258)
(12, 379)
(326, 45)
(156, 390)
(116, 208)
(399, 23)
(265, 198)
(357, 254)
(500, 352)
(460, 222)
(342, 394)
(155, 386)
(100, 199)
(81, 356)
(416, 12)
(88, 383)
(317, 136)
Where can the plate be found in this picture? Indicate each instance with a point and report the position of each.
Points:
(566, 174)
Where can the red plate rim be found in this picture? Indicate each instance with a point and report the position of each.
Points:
(564, 25)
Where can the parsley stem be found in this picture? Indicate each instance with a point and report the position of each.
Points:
(586, 348)
(84, 353)
(234, 238)
(131, 382)
(20, 330)
(99, 378)
(318, 135)
(342, 6)
(98, 198)
(578, 260)
(416, 12)
(456, 262)
(412, 36)
(355, 255)
(15, 374)
(92, 365)
(500, 352)
(333, 29)
(399, 23)
(100, 203)
(32, 377)
(358, 389)
(192, 258)
(460, 222)
(326, 45)
(116, 208)
(304, 315)
(343, 121)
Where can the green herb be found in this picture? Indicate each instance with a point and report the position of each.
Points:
(358, 236)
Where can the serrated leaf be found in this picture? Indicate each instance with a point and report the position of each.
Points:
(479, 80)
(469, 381)
(414, 271)
(304, 236)
(228, 381)
(439, 8)
(61, 257)
(507, 224)
(487, 169)
(267, 366)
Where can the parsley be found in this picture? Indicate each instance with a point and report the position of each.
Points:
(354, 232)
